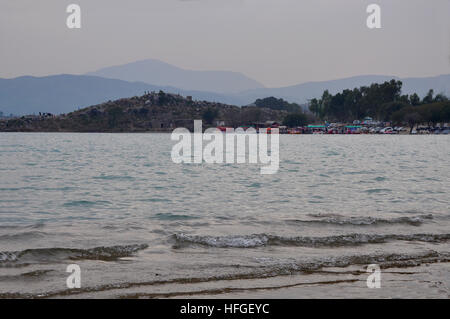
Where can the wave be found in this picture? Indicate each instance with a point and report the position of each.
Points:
(115, 177)
(169, 216)
(363, 220)
(31, 275)
(85, 203)
(29, 226)
(23, 235)
(56, 254)
(378, 190)
(259, 240)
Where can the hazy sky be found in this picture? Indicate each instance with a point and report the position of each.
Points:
(277, 42)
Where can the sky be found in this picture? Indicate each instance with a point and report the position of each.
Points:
(276, 42)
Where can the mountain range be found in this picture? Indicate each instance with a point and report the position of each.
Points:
(160, 73)
(65, 93)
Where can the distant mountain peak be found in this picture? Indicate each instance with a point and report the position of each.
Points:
(156, 72)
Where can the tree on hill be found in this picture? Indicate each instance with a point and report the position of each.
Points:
(277, 104)
(209, 115)
(440, 98)
(115, 114)
(162, 98)
(414, 99)
(428, 98)
(295, 119)
(314, 107)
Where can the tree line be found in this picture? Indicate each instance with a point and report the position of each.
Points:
(383, 102)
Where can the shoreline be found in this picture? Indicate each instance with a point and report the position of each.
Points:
(170, 132)
(422, 281)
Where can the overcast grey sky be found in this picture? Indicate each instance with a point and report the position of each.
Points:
(277, 42)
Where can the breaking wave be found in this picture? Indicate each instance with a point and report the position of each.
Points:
(259, 240)
(55, 254)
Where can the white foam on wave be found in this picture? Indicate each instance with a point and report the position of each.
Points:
(258, 240)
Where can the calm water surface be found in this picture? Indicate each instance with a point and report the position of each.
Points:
(141, 226)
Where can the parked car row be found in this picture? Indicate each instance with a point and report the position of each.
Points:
(431, 130)
(386, 130)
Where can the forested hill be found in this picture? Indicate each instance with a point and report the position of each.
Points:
(151, 112)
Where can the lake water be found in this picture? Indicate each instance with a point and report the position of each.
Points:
(139, 225)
